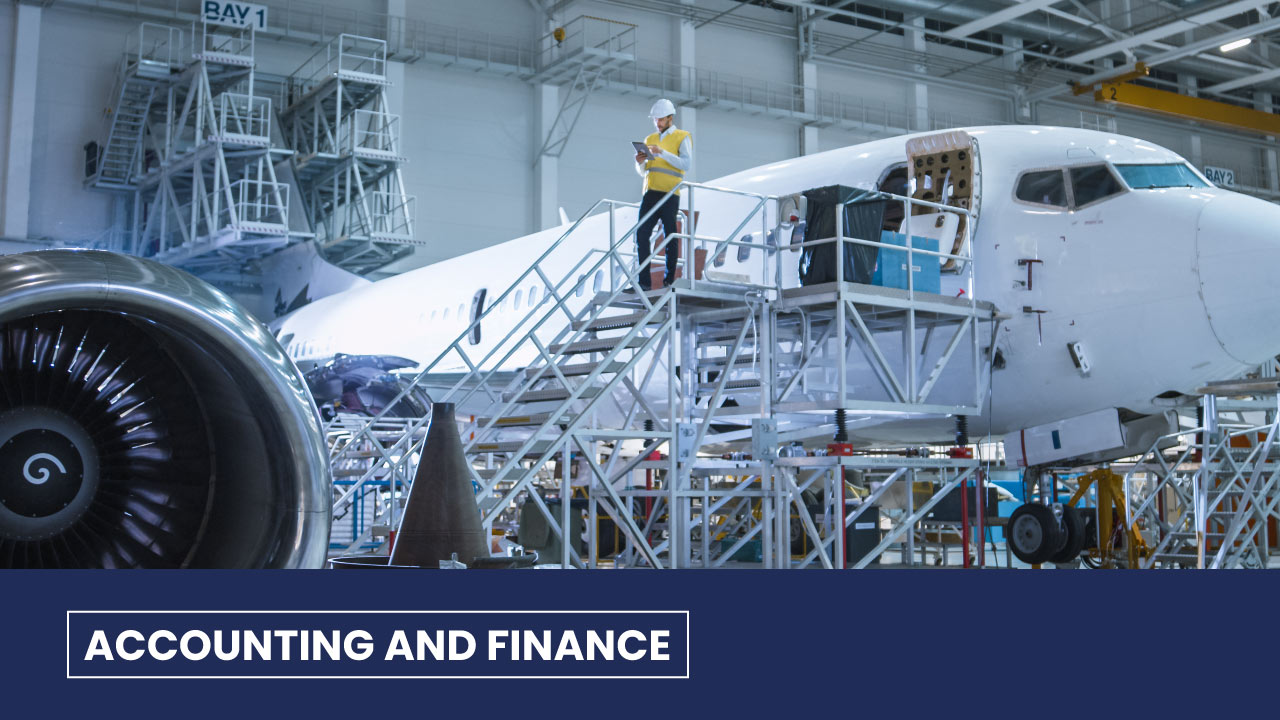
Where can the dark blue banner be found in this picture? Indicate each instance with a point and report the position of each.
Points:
(876, 643)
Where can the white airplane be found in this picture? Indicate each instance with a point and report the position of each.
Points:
(1127, 277)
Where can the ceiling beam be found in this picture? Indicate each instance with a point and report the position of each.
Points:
(1189, 23)
(1194, 48)
(1245, 81)
(827, 12)
(1023, 7)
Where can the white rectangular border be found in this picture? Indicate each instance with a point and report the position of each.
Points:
(687, 644)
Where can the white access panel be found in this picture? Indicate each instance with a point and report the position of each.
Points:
(1081, 435)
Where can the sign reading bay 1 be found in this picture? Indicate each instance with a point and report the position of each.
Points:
(235, 14)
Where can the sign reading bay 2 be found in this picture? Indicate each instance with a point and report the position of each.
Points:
(1222, 177)
(235, 14)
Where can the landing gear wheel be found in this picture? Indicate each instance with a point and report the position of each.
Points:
(1073, 523)
(1034, 534)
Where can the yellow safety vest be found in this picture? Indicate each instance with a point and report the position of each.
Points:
(659, 174)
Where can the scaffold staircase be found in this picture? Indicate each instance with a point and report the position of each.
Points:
(192, 139)
(127, 117)
(1209, 497)
(348, 160)
(624, 385)
(225, 167)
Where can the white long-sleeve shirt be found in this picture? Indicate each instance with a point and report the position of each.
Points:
(681, 162)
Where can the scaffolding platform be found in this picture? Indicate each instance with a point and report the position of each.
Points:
(348, 159)
(219, 168)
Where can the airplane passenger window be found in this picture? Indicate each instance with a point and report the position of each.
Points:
(1148, 177)
(461, 309)
(1043, 187)
(744, 252)
(1093, 183)
(515, 304)
(533, 296)
(582, 286)
(721, 257)
(445, 314)
(477, 309)
(772, 241)
(597, 281)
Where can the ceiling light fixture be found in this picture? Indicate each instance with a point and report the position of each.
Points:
(1235, 45)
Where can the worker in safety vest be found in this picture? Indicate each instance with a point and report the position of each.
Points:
(672, 151)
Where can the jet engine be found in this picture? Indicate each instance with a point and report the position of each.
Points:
(147, 420)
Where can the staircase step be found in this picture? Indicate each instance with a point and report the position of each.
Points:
(538, 448)
(533, 420)
(614, 322)
(575, 370)
(714, 338)
(593, 346)
(1192, 536)
(548, 395)
(745, 384)
(1190, 558)
(705, 363)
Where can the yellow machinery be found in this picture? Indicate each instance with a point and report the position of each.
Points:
(1188, 108)
(1111, 521)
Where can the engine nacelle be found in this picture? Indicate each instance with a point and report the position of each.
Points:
(147, 420)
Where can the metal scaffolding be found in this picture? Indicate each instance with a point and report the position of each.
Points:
(348, 160)
(620, 413)
(211, 178)
(192, 142)
(1209, 497)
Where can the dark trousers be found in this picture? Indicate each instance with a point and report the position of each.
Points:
(667, 214)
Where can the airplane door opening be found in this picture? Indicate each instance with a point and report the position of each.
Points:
(946, 169)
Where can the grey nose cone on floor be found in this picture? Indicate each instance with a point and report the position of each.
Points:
(441, 517)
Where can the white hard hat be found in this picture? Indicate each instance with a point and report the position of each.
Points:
(661, 109)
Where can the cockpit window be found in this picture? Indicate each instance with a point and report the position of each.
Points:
(1092, 183)
(1147, 177)
(1043, 187)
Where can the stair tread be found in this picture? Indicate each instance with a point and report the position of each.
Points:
(511, 446)
(530, 420)
(613, 322)
(590, 346)
(722, 361)
(744, 384)
(548, 395)
(575, 369)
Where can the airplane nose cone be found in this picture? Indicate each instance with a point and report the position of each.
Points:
(1238, 252)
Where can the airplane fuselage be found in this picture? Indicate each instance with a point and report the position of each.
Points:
(1161, 288)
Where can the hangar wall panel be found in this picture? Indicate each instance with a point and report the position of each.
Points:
(78, 58)
(469, 142)
(759, 57)
(968, 108)
(6, 85)
(500, 19)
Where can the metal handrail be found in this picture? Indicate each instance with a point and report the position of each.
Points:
(331, 58)
(570, 280)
